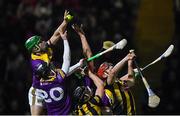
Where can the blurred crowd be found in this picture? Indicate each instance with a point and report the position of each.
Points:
(20, 19)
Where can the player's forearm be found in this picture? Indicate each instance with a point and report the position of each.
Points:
(53, 40)
(119, 65)
(100, 91)
(99, 84)
(130, 78)
(130, 68)
(66, 57)
(112, 75)
(56, 36)
(73, 68)
(63, 26)
(87, 50)
(111, 78)
(130, 73)
(97, 81)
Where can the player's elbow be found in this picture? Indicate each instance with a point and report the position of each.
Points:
(130, 80)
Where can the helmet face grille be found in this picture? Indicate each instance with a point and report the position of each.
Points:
(82, 94)
(78, 93)
(102, 68)
(31, 42)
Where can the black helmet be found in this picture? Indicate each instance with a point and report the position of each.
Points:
(82, 94)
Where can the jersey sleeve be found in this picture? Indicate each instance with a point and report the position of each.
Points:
(60, 75)
(108, 98)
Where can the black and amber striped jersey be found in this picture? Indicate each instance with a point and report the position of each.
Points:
(91, 107)
(123, 99)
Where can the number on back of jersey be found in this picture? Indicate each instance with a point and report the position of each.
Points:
(55, 94)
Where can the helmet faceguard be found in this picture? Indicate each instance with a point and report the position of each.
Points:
(103, 67)
(45, 70)
(44, 46)
(82, 94)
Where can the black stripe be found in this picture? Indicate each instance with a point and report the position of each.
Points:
(117, 108)
(93, 100)
(123, 99)
(132, 102)
(91, 109)
(114, 105)
(100, 100)
(114, 93)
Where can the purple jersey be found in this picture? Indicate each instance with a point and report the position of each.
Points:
(87, 81)
(35, 80)
(53, 92)
(36, 59)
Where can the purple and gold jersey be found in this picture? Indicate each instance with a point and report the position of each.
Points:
(55, 95)
(36, 59)
(46, 57)
(35, 79)
(52, 91)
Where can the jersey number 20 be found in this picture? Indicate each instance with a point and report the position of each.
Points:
(48, 97)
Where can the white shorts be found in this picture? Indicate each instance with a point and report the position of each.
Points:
(34, 98)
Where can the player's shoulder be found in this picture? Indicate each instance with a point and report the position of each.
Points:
(61, 72)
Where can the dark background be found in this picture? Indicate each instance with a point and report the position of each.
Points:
(103, 20)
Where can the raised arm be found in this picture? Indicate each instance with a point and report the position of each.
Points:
(120, 65)
(112, 74)
(75, 67)
(66, 54)
(56, 36)
(85, 46)
(129, 78)
(98, 82)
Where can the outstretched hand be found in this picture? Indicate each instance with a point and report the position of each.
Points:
(131, 55)
(63, 35)
(78, 29)
(65, 15)
(83, 66)
(83, 62)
